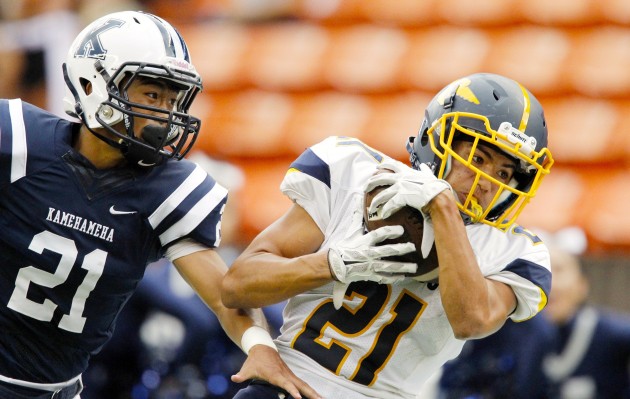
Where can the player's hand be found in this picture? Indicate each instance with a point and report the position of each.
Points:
(408, 187)
(264, 363)
(358, 257)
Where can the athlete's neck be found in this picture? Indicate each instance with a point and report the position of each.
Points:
(98, 152)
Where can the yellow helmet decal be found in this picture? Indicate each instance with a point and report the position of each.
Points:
(462, 90)
(526, 109)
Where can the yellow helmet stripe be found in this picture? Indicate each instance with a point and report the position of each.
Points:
(526, 109)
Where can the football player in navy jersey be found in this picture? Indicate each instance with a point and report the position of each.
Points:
(84, 207)
(355, 325)
(590, 358)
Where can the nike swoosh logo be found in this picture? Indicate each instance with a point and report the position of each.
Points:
(142, 163)
(116, 212)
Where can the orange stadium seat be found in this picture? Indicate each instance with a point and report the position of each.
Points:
(245, 124)
(261, 201)
(558, 201)
(217, 51)
(479, 12)
(322, 114)
(365, 58)
(624, 109)
(604, 213)
(287, 56)
(393, 119)
(186, 11)
(616, 11)
(533, 55)
(561, 12)
(583, 130)
(403, 13)
(599, 63)
(342, 12)
(439, 55)
(593, 198)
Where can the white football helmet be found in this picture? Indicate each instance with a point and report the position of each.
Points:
(101, 64)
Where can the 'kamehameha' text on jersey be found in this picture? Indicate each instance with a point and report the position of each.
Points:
(386, 340)
(75, 240)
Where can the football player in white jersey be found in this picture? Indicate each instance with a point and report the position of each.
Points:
(354, 325)
(84, 207)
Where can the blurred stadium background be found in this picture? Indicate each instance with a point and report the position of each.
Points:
(279, 75)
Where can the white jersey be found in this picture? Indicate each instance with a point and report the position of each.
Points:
(386, 340)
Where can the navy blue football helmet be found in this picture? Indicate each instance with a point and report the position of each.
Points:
(493, 110)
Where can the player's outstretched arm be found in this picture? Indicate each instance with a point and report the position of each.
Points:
(204, 271)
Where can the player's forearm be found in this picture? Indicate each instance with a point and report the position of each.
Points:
(261, 279)
(463, 288)
(236, 321)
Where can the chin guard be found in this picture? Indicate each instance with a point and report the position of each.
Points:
(148, 155)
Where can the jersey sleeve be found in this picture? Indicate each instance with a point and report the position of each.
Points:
(529, 276)
(24, 130)
(192, 208)
(320, 179)
(307, 183)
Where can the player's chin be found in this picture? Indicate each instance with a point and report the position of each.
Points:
(461, 197)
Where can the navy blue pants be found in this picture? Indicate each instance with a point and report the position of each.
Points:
(263, 390)
(18, 392)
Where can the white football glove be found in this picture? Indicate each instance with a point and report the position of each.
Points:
(408, 187)
(358, 258)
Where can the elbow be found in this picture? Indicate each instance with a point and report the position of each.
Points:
(465, 331)
(230, 293)
(473, 327)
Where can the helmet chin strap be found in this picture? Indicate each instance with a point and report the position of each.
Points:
(137, 154)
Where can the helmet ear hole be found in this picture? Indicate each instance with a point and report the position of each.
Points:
(424, 137)
(86, 85)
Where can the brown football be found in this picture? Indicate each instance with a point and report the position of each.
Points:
(412, 221)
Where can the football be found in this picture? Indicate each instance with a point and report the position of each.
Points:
(412, 221)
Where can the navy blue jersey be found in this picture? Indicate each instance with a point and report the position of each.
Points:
(75, 240)
(592, 352)
(506, 364)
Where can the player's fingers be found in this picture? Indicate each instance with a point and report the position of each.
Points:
(390, 279)
(296, 387)
(339, 292)
(428, 237)
(394, 166)
(238, 378)
(380, 200)
(304, 389)
(395, 267)
(381, 179)
(392, 206)
(387, 250)
(384, 233)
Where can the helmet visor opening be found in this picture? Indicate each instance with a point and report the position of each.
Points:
(509, 197)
